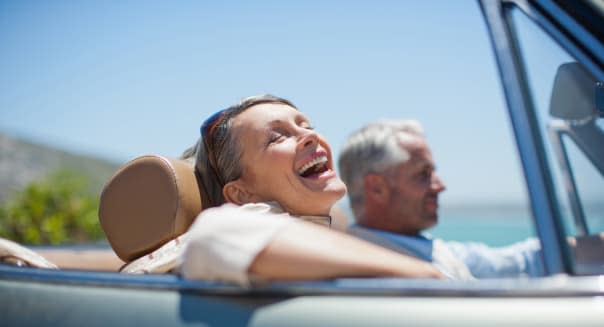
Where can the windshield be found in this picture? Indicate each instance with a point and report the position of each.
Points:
(564, 94)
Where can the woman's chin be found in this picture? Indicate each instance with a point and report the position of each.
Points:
(337, 188)
(330, 195)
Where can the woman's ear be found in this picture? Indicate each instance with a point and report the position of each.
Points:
(237, 192)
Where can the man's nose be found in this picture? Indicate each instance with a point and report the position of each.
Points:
(437, 185)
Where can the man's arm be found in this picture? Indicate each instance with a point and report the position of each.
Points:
(521, 259)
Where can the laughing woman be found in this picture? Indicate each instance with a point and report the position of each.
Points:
(269, 185)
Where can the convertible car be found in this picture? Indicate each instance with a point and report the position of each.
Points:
(554, 135)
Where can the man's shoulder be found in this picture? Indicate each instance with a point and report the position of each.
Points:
(358, 229)
(418, 246)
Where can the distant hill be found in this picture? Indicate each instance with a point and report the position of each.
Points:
(22, 162)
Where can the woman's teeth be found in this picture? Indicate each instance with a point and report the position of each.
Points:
(310, 164)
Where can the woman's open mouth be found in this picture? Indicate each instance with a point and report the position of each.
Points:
(314, 167)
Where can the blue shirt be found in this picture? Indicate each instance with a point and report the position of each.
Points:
(522, 259)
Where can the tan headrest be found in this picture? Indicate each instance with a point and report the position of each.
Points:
(148, 202)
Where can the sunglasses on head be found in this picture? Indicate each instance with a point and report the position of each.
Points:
(210, 124)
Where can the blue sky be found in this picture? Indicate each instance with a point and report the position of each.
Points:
(119, 79)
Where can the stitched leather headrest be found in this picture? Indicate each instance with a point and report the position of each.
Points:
(148, 202)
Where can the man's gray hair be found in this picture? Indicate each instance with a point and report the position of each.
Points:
(373, 149)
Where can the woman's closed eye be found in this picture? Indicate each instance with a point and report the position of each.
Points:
(307, 125)
(276, 137)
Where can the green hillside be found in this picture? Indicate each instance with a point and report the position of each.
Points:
(22, 162)
(49, 196)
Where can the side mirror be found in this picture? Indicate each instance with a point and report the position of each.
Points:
(576, 96)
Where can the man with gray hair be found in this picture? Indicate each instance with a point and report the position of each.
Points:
(393, 190)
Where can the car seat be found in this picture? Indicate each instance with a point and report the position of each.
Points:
(145, 210)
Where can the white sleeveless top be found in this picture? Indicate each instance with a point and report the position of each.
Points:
(223, 241)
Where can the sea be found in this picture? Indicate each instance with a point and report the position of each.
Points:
(499, 226)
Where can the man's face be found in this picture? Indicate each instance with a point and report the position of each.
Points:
(414, 188)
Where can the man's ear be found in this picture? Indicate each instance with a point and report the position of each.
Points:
(237, 192)
(376, 188)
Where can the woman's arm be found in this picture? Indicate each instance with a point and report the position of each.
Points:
(305, 251)
(231, 242)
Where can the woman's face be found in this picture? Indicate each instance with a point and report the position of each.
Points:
(285, 160)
